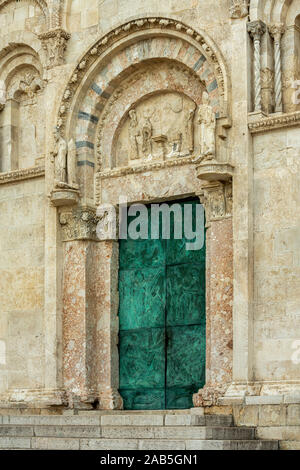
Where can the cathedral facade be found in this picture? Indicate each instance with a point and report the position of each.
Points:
(151, 102)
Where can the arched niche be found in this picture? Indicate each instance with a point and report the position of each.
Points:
(21, 122)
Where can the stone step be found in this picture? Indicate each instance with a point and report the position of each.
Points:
(120, 420)
(129, 432)
(40, 443)
(177, 432)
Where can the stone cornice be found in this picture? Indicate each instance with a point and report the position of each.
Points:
(275, 122)
(19, 175)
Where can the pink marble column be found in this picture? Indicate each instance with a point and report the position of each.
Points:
(219, 293)
(79, 324)
(90, 314)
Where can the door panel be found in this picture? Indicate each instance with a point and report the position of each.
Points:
(162, 322)
(141, 353)
(185, 295)
(142, 294)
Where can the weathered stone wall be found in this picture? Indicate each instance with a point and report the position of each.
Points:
(22, 207)
(276, 254)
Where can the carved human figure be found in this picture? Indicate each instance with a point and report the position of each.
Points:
(60, 160)
(207, 121)
(72, 164)
(190, 129)
(134, 133)
(147, 137)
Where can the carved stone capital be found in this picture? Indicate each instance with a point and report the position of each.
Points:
(239, 8)
(276, 31)
(217, 200)
(54, 42)
(256, 29)
(78, 224)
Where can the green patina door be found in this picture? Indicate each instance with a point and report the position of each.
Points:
(162, 322)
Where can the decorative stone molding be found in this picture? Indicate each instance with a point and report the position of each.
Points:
(278, 122)
(35, 398)
(217, 200)
(256, 29)
(78, 224)
(19, 175)
(131, 170)
(123, 31)
(239, 8)
(276, 31)
(54, 43)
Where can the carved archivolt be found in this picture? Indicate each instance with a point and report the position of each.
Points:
(144, 29)
(149, 117)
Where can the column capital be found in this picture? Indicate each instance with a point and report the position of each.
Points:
(256, 29)
(79, 224)
(217, 200)
(276, 30)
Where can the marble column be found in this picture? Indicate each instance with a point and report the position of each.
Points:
(276, 31)
(90, 309)
(217, 200)
(256, 29)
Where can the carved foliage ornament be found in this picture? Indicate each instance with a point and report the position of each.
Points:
(107, 41)
(217, 199)
(239, 8)
(54, 42)
(79, 224)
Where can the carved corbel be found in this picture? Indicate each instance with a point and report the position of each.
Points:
(79, 224)
(239, 8)
(54, 42)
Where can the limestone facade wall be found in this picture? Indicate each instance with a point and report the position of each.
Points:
(70, 72)
(22, 285)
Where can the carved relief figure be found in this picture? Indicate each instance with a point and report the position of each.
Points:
(207, 121)
(65, 161)
(190, 129)
(72, 164)
(147, 137)
(60, 160)
(134, 133)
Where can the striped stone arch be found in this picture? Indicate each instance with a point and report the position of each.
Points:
(98, 75)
